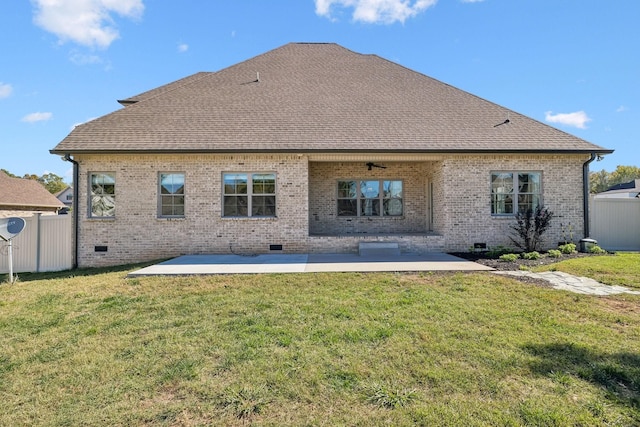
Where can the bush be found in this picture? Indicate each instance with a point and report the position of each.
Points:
(530, 226)
(498, 251)
(597, 250)
(509, 257)
(554, 253)
(531, 255)
(567, 249)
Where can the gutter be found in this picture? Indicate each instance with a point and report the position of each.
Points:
(585, 193)
(33, 205)
(76, 192)
(300, 150)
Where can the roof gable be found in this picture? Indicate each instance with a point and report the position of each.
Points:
(315, 97)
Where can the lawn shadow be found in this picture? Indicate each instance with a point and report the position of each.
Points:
(617, 373)
(82, 272)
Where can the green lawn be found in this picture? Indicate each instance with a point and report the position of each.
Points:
(314, 349)
(621, 269)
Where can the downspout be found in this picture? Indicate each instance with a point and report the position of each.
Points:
(585, 193)
(76, 192)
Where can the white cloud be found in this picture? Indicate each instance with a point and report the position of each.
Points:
(376, 11)
(37, 117)
(85, 22)
(578, 119)
(183, 47)
(5, 90)
(621, 109)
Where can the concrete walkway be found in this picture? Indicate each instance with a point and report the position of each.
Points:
(306, 263)
(568, 282)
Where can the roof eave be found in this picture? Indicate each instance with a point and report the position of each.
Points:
(31, 205)
(335, 151)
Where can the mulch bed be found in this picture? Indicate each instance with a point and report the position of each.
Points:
(519, 264)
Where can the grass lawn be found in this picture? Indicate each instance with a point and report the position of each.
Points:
(621, 269)
(315, 349)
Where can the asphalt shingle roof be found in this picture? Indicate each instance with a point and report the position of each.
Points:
(305, 97)
(25, 192)
(625, 187)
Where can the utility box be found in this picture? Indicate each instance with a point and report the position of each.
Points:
(586, 244)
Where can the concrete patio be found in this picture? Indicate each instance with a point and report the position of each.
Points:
(187, 265)
(306, 263)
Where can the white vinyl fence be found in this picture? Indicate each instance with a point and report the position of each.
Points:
(615, 223)
(45, 244)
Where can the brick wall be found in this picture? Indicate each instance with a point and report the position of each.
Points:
(466, 191)
(137, 234)
(306, 204)
(323, 181)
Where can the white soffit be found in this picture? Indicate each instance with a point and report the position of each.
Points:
(378, 157)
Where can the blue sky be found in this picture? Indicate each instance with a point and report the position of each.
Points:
(573, 64)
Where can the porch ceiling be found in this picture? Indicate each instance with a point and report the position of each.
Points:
(366, 157)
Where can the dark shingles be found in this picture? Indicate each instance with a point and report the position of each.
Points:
(315, 97)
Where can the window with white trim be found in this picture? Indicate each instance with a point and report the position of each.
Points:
(513, 192)
(370, 198)
(171, 194)
(249, 195)
(102, 194)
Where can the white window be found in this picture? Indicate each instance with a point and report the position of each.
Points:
(171, 195)
(249, 195)
(370, 198)
(102, 190)
(513, 192)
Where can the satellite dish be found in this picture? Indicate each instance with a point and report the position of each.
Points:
(11, 227)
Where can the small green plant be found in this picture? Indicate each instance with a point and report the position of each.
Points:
(597, 250)
(568, 248)
(244, 402)
(384, 397)
(508, 257)
(554, 253)
(531, 255)
(567, 229)
(499, 250)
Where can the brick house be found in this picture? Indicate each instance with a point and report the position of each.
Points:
(314, 148)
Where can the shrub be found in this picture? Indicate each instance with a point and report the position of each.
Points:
(567, 229)
(530, 226)
(531, 255)
(554, 253)
(509, 257)
(497, 251)
(597, 250)
(569, 248)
